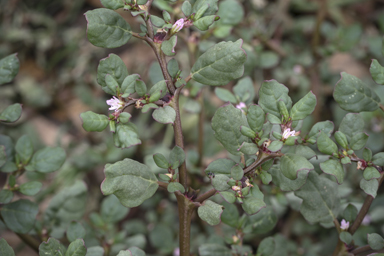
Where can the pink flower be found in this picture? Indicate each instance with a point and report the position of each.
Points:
(115, 104)
(287, 133)
(344, 225)
(241, 105)
(177, 26)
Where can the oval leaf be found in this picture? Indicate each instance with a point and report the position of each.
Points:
(210, 212)
(165, 115)
(93, 122)
(20, 216)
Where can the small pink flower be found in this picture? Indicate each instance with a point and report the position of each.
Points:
(115, 104)
(287, 133)
(344, 225)
(241, 105)
(177, 26)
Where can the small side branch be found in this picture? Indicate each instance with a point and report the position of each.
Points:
(206, 195)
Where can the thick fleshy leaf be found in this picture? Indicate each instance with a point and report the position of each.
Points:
(76, 248)
(9, 67)
(350, 213)
(237, 172)
(291, 164)
(334, 168)
(131, 181)
(157, 21)
(367, 154)
(254, 201)
(225, 95)
(114, 66)
(136, 251)
(95, 251)
(177, 154)
(93, 122)
(375, 241)
(165, 115)
(30, 188)
(226, 123)
(175, 186)
(265, 177)
(47, 160)
(112, 4)
(19, 216)
(129, 84)
(159, 87)
(220, 64)
(351, 124)
(341, 139)
(369, 187)
(325, 127)
(345, 237)
(305, 151)
(320, 199)
(326, 145)
(205, 22)
(168, 47)
(74, 231)
(230, 12)
(126, 136)
(270, 93)
(24, 148)
(52, 248)
(107, 28)
(286, 184)
(186, 8)
(371, 173)
(354, 96)
(230, 215)
(275, 146)
(264, 221)
(210, 212)
(111, 209)
(249, 148)
(304, 107)
(255, 118)
(11, 114)
(377, 72)
(161, 161)
(220, 166)
(244, 90)
(266, 247)
(212, 6)
(358, 140)
(5, 248)
(228, 197)
(378, 159)
(124, 253)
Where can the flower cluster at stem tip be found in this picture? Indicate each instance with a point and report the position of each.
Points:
(288, 133)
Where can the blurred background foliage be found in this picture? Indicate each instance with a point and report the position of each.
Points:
(301, 43)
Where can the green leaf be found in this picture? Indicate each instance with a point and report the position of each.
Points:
(11, 114)
(76, 248)
(93, 122)
(220, 64)
(273, 119)
(325, 127)
(30, 188)
(164, 115)
(264, 221)
(226, 123)
(326, 145)
(149, 106)
(114, 66)
(369, 187)
(9, 67)
(212, 6)
(173, 67)
(52, 248)
(124, 117)
(111, 83)
(354, 96)
(228, 197)
(130, 181)
(265, 177)
(358, 140)
(210, 212)
(371, 173)
(247, 132)
(140, 88)
(186, 8)
(375, 241)
(5, 249)
(377, 72)
(19, 216)
(334, 168)
(270, 93)
(205, 22)
(129, 83)
(266, 247)
(304, 107)
(237, 172)
(136, 251)
(350, 213)
(230, 215)
(124, 253)
(231, 12)
(291, 164)
(378, 159)
(157, 21)
(249, 148)
(320, 199)
(161, 161)
(286, 184)
(111, 209)
(107, 28)
(268, 59)
(220, 166)
(74, 231)
(351, 124)
(244, 90)
(112, 4)
(159, 87)
(255, 118)
(5, 196)
(275, 146)
(95, 251)
(254, 201)
(225, 95)
(47, 160)
(3, 156)
(367, 154)
(345, 237)
(341, 139)
(175, 186)
(24, 148)
(168, 47)
(214, 250)
(126, 136)
(177, 154)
